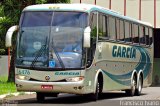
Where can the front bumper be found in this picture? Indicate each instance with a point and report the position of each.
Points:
(58, 87)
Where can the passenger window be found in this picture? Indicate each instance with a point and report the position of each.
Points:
(127, 32)
(141, 35)
(91, 50)
(121, 30)
(112, 28)
(147, 35)
(102, 24)
(118, 29)
(93, 25)
(135, 34)
(150, 36)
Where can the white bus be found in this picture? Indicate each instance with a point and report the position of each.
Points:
(81, 49)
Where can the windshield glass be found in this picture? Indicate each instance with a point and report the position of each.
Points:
(51, 39)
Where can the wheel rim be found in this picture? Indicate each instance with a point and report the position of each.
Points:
(140, 85)
(98, 88)
(133, 85)
(97, 91)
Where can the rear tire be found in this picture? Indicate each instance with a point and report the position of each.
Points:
(131, 92)
(139, 87)
(40, 97)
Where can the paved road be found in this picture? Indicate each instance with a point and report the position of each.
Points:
(112, 98)
(3, 65)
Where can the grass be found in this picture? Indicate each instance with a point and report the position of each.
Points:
(6, 87)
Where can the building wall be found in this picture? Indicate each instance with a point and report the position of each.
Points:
(103, 3)
(158, 14)
(148, 11)
(132, 8)
(118, 6)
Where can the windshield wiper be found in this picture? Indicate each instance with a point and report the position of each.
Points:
(58, 57)
(39, 53)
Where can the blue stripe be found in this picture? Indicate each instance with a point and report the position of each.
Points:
(144, 64)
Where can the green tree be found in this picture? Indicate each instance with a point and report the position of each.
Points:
(10, 11)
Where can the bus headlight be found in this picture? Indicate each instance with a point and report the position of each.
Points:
(75, 79)
(22, 77)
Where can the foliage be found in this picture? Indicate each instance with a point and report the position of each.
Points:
(6, 87)
(2, 51)
(9, 12)
(94, 32)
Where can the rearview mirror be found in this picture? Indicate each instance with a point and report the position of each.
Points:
(87, 36)
(9, 35)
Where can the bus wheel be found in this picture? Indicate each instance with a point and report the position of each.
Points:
(139, 87)
(131, 92)
(40, 97)
(96, 94)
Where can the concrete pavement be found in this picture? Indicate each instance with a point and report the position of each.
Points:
(149, 94)
(3, 65)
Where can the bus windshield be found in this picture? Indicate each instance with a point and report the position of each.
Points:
(51, 39)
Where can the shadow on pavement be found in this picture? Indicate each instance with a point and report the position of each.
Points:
(74, 99)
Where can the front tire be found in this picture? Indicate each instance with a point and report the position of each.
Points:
(95, 95)
(40, 97)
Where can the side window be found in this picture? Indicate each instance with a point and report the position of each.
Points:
(121, 30)
(150, 36)
(91, 50)
(141, 35)
(147, 35)
(100, 24)
(112, 28)
(93, 24)
(118, 29)
(132, 32)
(135, 34)
(127, 32)
(102, 27)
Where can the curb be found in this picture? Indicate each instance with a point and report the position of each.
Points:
(15, 94)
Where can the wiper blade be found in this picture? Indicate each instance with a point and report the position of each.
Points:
(58, 57)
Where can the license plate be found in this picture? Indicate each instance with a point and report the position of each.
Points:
(47, 87)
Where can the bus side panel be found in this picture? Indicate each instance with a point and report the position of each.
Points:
(118, 62)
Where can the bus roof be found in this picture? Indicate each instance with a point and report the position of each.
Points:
(81, 7)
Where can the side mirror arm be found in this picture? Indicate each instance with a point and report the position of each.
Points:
(9, 34)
